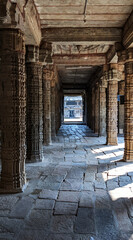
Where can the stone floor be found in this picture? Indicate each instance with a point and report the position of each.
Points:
(79, 192)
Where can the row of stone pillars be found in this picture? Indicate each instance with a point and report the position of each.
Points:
(28, 104)
(103, 100)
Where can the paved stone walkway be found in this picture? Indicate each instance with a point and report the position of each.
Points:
(79, 192)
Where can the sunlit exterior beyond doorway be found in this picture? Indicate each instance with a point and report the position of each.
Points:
(73, 109)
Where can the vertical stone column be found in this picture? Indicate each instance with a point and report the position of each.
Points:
(121, 87)
(12, 110)
(47, 79)
(102, 107)
(93, 109)
(34, 105)
(112, 89)
(128, 153)
(53, 121)
(96, 129)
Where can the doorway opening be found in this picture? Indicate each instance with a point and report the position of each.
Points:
(73, 109)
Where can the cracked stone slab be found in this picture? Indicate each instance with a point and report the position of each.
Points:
(71, 184)
(65, 208)
(69, 196)
(62, 224)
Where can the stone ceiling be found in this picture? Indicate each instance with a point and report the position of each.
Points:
(80, 47)
(83, 13)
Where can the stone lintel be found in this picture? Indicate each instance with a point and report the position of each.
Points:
(127, 38)
(82, 34)
(84, 59)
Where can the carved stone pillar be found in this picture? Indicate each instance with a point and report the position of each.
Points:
(102, 107)
(112, 89)
(34, 105)
(128, 153)
(53, 97)
(96, 129)
(93, 109)
(12, 110)
(47, 79)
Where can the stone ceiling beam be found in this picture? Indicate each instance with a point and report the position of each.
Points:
(84, 59)
(104, 35)
(128, 32)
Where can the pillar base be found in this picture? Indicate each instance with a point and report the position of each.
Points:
(34, 159)
(111, 143)
(13, 190)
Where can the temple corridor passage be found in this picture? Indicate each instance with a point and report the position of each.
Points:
(78, 192)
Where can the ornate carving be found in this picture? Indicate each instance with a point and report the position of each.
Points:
(47, 78)
(12, 109)
(34, 112)
(112, 107)
(128, 153)
(102, 107)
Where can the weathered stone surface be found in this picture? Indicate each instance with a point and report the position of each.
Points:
(7, 202)
(85, 222)
(9, 228)
(105, 225)
(69, 196)
(22, 208)
(60, 236)
(44, 204)
(88, 186)
(48, 194)
(65, 208)
(31, 234)
(62, 224)
(71, 184)
(87, 199)
(39, 219)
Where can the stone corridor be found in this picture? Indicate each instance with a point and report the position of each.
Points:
(79, 192)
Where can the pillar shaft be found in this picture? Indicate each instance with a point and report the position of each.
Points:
(96, 109)
(128, 153)
(47, 78)
(93, 109)
(112, 90)
(34, 111)
(102, 109)
(53, 128)
(12, 110)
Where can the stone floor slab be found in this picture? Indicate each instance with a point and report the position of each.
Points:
(65, 208)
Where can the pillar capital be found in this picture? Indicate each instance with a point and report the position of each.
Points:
(10, 15)
(45, 55)
(32, 53)
(12, 40)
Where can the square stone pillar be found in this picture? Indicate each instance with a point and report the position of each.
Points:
(34, 105)
(53, 98)
(12, 110)
(96, 129)
(112, 90)
(128, 105)
(47, 79)
(93, 109)
(102, 107)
